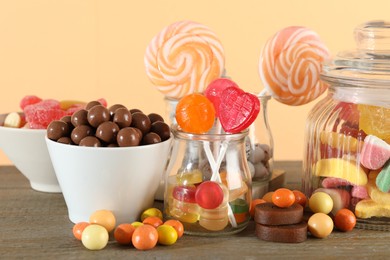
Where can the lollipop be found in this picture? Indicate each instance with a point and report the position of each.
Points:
(290, 65)
(184, 58)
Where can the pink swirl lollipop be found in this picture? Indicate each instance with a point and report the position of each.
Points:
(290, 65)
(184, 58)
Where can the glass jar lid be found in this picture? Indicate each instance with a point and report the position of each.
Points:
(368, 65)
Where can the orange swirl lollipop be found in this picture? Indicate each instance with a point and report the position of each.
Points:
(290, 65)
(184, 58)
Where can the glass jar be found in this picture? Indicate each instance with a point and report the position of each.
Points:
(208, 183)
(347, 133)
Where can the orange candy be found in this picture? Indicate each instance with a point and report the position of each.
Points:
(153, 221)
(78, 229)
(103, 218)
(268, 196)
(195, 113)
(344, 220)
(123, 233)
(145, 237)
(177, 225)
(283, 198)
(300, 198)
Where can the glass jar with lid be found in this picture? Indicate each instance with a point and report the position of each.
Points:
(347, 135)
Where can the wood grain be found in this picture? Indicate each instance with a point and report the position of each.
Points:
(35, 225)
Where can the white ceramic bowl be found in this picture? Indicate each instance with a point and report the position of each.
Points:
(27, 150)
(121, 179)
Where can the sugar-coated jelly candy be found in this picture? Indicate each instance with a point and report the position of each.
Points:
(195, 113)
(209, 195)
(238, 109)
(214, 90)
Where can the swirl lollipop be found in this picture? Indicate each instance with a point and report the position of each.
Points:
(184, 58)
(290, 65)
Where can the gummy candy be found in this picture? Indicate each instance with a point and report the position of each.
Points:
(29, 100)
(238, 109)
(42, 113)
(375, 121)
(195, 113)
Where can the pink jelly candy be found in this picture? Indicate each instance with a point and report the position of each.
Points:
(375, 152)
(39, 115)
(238, 109)
(214, 90)
(29, 100)
(184, 193)
(331, 182)
(209, 195)
(359, 192)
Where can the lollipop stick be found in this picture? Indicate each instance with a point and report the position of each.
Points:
(264, 92)
(215, 172)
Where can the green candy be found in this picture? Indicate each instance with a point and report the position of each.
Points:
(239, 206)
(383, 179)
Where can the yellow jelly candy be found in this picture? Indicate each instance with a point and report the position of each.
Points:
(375, 194)
(188, 178)
(66, 104)
(341, 168)
(341, 141)
(375, 121)
(369, 208)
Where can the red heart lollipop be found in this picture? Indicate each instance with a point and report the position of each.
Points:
(214, 90)
(238, 109)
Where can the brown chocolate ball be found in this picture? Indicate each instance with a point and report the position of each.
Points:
(122, 117)
(162, 129)
(113, 108)
(92, 104)
(155, 117)
(90, 141)
(79, 132)
(68, 119)
(98, 115)
(151, 138)
(65, 140)
(141, 121)
(79, 118)
(107, 132)
(135, 110)
(128, 136)
(57, 129)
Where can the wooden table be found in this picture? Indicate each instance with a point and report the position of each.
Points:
(35, 225)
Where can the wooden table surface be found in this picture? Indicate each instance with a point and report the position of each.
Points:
(35, 225)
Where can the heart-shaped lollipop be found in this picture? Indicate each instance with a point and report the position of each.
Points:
(214, 90)
(237, 110)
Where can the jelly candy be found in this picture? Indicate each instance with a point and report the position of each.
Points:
(375, 152)
(214, 90)
(240, 210)
(341, 168)
(238, 109)
(195, 113)
(375, 194)
(42, 113)
(374, 121)
(209, 195)
(29, 100)
(184, 193)
(383, 179)
(183, 211)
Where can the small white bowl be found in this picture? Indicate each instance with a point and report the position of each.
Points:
(121, 179)
(27, 150)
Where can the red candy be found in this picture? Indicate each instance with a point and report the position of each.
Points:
(29, 100)
(39, 115)
(238, 109)
(214, 90)
(209, 195)
(184, 193)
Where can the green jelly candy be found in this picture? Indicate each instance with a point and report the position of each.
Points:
(383, 178)
(239, 206)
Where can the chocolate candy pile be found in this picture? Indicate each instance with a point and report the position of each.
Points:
(116, 126)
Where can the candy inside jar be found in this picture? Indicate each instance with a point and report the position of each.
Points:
(347, 135)
(208, 182)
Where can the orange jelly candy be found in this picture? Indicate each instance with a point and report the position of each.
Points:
(195, 113)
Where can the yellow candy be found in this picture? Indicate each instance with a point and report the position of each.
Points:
(188, 178)
(151, 212)
(369, 208)
(94, 237)
(341, 141)
(341, 168)
(374, 120)
(66, 104)
(375, 194)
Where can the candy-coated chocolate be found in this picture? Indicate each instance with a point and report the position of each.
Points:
(162, 129)
(79, 132)
(128, 136)
(151, 138)
(141, 121)
(90, 141)
(98, 115)
(122, 117)
(321, 202)
(155, 117)
(91, 104)
(57, 129)
(103, 218)
(107, 131)
(80, 117)
(112, 109)
(167, 235)
(94, 237)
(320, 225)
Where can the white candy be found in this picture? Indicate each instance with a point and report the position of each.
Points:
(257, 154)
(251, 169)
(260, 170)
(13, 120)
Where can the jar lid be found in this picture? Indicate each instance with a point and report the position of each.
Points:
(366, 66)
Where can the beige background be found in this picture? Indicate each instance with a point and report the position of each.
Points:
(89, 49)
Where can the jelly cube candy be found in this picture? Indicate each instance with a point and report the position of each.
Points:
(29, 100)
